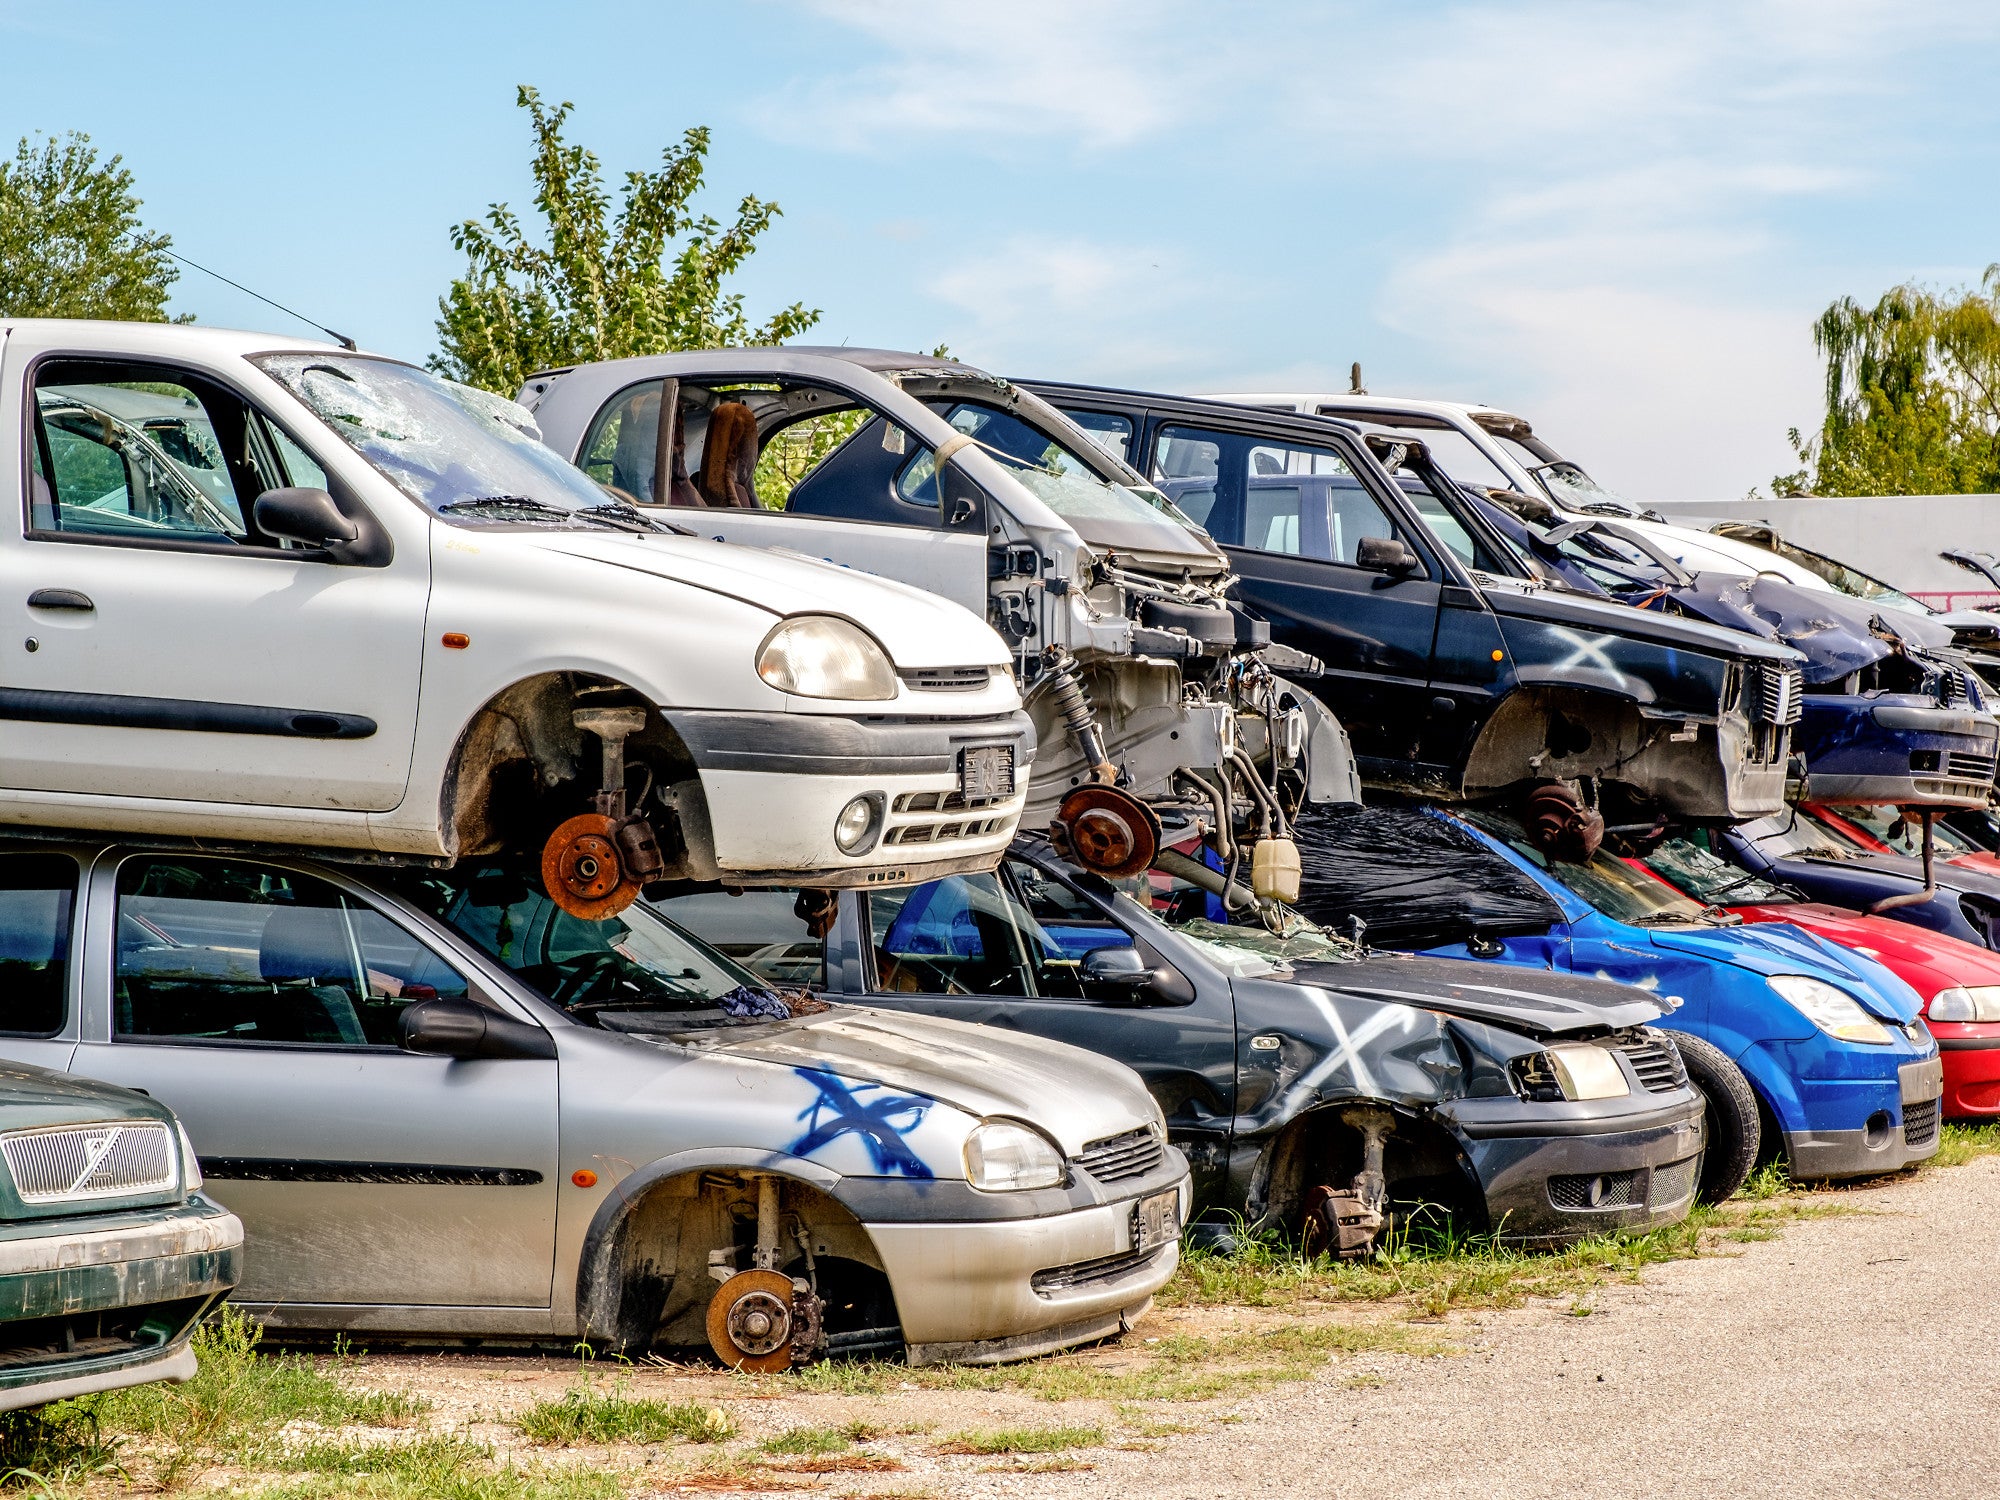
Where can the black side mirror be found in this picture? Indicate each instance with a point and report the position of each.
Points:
(1119, 968)
(461, 1029)
(306, 516)
(1385, 554)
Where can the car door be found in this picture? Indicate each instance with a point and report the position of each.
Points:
(160, 645)
(38, 969)
(261, 1002)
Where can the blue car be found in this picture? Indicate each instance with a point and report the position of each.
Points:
(1845, 1075)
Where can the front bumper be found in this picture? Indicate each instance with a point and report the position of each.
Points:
(1897, 1121)
(774, 783)
(1901, 749)
(986, 1292)
(100, 1301)
(1970, 1052)
(1553, 1173)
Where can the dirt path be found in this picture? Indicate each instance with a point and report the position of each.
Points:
(1850, 1356)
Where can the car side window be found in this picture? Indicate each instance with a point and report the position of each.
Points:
(37, 898)
(958, 936)
(1288, 498)
(223, 950)
(151, 453)
(1063, 928)
(778, 935)
(1107, 429)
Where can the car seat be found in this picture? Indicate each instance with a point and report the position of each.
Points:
(729, 458)
(305, 955)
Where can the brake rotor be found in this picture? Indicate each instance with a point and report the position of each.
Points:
(750, 1322)
(1110, 832)
(582, 871)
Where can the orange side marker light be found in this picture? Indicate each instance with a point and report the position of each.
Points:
(583, 1177)
(453, 641)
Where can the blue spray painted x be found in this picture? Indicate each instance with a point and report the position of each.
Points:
(876, 1123)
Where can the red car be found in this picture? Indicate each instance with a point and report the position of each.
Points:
(1959, 982)
(1882, 830)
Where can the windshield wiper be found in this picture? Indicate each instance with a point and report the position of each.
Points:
(625, 517)
(525, 503)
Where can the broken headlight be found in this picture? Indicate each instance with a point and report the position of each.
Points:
(1980, 1002)
(190, 1163)
(1833, 1011)
(1570, 1071)
(1004, 1157)
(822, 656)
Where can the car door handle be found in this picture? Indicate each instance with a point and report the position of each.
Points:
(60, 599)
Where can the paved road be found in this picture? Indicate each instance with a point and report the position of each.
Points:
(1854, 1356)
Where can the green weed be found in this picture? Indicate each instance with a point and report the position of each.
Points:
(586, 1415)
(1023, 1440)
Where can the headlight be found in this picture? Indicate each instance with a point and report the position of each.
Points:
(1980, 1002)
(1833, 1011)
(819, 656)
(1586, 1071)
(1002, 1157)
(190, 1163)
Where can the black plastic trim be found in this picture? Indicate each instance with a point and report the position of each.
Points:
(120, 711)
(382, 1173)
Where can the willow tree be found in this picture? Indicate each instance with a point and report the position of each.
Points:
(593, 285)
(1912, 396)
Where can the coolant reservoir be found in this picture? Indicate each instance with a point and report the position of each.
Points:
(1274, 870)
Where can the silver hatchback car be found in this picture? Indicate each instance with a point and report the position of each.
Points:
(445, 1108)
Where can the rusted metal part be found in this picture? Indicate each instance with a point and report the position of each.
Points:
(1929, 852)
(750, 1324)
(1108, 831)
(1348, 1221)
(582, 869)
(1560, 825)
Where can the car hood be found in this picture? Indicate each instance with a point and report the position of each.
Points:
(1769, 948)
(1539, 1004)
(1074, 1096)
(1927, 961)
(1510, 596)
(1835, 633)
(918, 629)
(32, 1098)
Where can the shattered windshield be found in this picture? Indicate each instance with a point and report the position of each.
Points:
(1855, 584)
(1238, 943)
(1709, 878)
(1573, 489)
(1604, 881)
(1799, 836)
(462, 454)
(1053, 473)
(612, 973)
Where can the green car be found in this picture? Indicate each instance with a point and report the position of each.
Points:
(109, 1255)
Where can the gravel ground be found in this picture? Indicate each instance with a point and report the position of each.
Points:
(1850, 1356)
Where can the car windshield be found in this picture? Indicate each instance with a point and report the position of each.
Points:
(634, 971)
(1799, 836)
(1062, 479)
(1905, 835)
(1573, 489)
(1845, 579)
(1709, 878)
(460, 453)
(1243, 946)
(1604, 881)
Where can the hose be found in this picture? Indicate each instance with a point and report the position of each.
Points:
(1268, 802)
(1225, 835)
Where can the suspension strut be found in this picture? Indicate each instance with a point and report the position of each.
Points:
(1074, 709)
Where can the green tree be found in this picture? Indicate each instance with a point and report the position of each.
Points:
(647, 282)
(1912, 396)
(71, 245)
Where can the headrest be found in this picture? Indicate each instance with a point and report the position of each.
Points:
(729, 457)
(306, 942)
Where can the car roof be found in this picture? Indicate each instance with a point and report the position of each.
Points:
(1368, 401)
(804, 359)
(164, 337)
(1302, 423)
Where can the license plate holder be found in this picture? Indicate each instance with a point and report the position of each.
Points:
(986, 772)
(1156, 1221)
(1921, 1081)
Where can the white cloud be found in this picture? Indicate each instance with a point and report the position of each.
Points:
(1033, 69)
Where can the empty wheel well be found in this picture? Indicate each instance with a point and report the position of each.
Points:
(522, 766)
(1422, 1164)
(645, 1281)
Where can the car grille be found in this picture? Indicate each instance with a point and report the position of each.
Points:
(1655, 1059)
(1920, 1122)
(1117, 1157)
(1977, 767)
(1972, 793)
(1605, 1190)
(1092, 1272)
(91, 1161)
(1675, 1182)
(1773, 693)
(947, 679)
(944, 831)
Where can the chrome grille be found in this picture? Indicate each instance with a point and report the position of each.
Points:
(91, 1161)
(1773, 693)
(1920, 1122)
(1605, 1190)
(947, 679)
(1675, 1182)
(1655, 1059)
(1117, 1157)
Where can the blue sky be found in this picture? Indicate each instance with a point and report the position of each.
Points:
(1616, 219)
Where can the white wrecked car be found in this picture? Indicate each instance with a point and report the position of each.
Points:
(264, 590)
